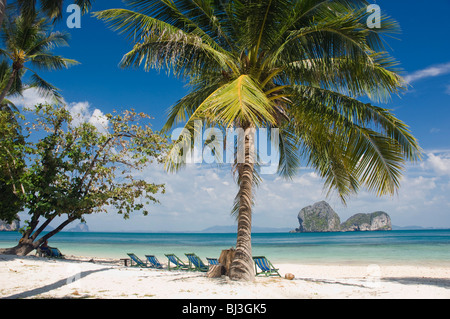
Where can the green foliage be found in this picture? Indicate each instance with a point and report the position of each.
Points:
(51, 8)
(27, 43)
(76, 170)
(11, 165)
(26, 227)
(297, 65)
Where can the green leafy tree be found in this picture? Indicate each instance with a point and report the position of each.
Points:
(76, 170)
(11, 165)
(27, 42)
(10, 203)
(301, 66)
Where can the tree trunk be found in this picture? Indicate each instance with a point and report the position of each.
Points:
(28, 242)
(9, 84)
(226, 259)
(2, 10)
(216, 271)
(242, 267)
(223, 268)
(24, 247)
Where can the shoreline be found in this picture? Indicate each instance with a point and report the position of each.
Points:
(307, 262)
(430, 247)
(106, 278)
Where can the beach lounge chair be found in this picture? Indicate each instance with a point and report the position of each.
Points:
(179, 264)
(195, 263)
(266, 267)
(50, 252)
(43, 252)
(137, 261)
(212, 261)
(154, 262)
(55, 253)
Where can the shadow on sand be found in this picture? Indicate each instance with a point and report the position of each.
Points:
(56, 285)
(438, 282)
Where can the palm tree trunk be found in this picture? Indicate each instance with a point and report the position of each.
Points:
(242, 267)
(2, 10)
(9, 85)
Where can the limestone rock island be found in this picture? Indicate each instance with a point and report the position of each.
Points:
(320, 217)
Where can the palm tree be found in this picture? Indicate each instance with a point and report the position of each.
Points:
(27, 42)
(301, 66)
(2, 10)
(51, 8)
(5, 74)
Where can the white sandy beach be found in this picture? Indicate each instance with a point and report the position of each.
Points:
(32, 277)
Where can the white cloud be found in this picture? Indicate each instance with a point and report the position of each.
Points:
(29, 99)
(435, 130)
(431, 71)
(197, 198)
(99, 120)
(439, 163)
(81, 113)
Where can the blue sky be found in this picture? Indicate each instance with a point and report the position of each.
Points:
(201, 197)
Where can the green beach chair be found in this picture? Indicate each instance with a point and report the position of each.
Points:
(266, 267)
(137, 261)
(195, 263)
(154, 262)
(179, 264)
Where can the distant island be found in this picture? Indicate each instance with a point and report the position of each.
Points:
(15, 226)
(9, 227)
(320, 217)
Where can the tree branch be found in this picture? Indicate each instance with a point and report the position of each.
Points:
(45, 224)
(57, 229)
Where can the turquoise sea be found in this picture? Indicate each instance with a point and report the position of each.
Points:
(399, 246)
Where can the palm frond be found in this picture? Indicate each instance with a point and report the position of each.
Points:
(240, 101)
(185, 107)
(51, 62)
(348, 154)
(288, 147)
(45, 89)
(51, 8)
(359, 113)
(298, 66)
(160, 44)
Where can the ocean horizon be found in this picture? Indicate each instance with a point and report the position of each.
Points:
(377, 247)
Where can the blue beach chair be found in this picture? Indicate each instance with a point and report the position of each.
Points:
(154, 262)
(179, 265)
(137, 261)
(212, 261)
(266, 267)
(195, 263)
(55, 253)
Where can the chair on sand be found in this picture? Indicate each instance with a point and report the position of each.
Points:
(195, 263)
(50, 252)
(43, 252)
(266, 267)
(154, 262)
(137, 261)
(55, 253)
(212, 261)
(179, 265)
